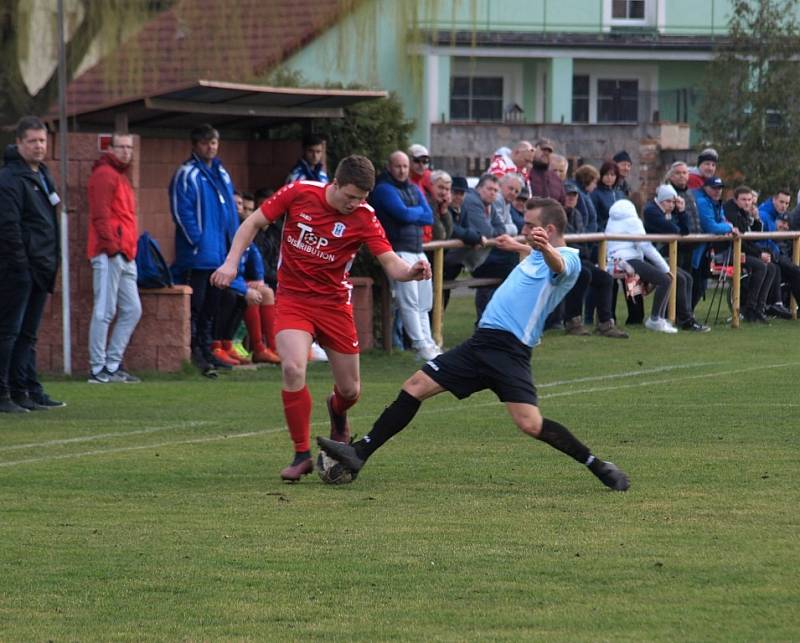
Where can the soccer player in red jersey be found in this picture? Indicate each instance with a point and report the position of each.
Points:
(325, 226)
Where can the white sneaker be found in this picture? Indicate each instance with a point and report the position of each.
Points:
(427, 352)
(660, 325)
(318, 353)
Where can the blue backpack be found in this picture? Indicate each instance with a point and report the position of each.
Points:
(152, 270)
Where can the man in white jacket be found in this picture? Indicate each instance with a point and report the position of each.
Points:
(643, 258)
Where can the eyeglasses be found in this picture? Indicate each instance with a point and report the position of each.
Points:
(423, 160)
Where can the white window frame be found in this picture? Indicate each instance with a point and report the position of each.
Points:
(510, 72)
(651, 14)
(647, 75)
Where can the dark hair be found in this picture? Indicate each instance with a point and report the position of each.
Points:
(551, 212)
(27, 123)
(262, 194)
(486, 178)
(204, 132)
(783, 190)
(356, 170)
(585, 174)
(607, 167)
(247, 196)
(310, 140)
(742, 189)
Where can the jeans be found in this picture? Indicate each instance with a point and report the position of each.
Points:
(20, 315)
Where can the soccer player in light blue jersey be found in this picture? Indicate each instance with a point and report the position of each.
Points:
(497, 356)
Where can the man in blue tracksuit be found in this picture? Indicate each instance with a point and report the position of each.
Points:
(204, 211)
(309, 167)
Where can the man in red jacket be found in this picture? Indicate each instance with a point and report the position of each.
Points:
(112, 251)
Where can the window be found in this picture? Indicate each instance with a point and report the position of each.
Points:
(617, 101)
(476, 98)
(627, 9)
(580, 99)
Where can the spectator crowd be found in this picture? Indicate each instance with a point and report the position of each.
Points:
(414, 203)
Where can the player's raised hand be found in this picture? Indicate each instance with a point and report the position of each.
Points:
(539, 239)
(223, 276)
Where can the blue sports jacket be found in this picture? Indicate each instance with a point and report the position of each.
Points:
(201, 201)
(712, 221)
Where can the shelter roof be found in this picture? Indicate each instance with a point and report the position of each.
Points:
(229, 106)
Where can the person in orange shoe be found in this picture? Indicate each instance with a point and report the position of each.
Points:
(259, 316)
(325, 226)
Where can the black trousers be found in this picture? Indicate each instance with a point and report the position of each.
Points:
(601, 285)
(21, 311)
(229, 315)
(790, 274)
(204, 306)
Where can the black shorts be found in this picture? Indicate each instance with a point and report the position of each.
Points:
(490, 359)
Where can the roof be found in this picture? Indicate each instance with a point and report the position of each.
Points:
(618, 38)
(237, 41)
(228, 106)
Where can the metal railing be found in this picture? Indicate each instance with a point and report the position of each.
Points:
(438, 248)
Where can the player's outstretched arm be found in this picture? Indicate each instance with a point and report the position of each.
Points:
(226, 273)
(400, 270)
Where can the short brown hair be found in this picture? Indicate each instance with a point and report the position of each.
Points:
(356, 170)
(585, 174)
(28, 123)
(551, 212)
(742, 189)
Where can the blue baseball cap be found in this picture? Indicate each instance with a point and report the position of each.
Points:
(714, 182)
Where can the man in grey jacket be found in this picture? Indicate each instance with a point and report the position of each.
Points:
(480, 213)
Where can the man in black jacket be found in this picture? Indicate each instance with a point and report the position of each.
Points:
(29, 252)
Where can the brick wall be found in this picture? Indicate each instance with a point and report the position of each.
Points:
(161, 341)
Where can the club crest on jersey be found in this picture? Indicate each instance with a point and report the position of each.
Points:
(338, 229)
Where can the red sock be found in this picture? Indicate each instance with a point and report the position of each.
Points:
(252, 319)
(268, 324)
(341, 404)
(216, 344)
(297, 410)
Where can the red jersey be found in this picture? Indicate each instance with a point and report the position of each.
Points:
(319, 243)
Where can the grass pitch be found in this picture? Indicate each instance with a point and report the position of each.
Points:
(155, 512)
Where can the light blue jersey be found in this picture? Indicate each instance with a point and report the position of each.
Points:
(528, 295)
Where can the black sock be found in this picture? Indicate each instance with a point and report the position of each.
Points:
(559, 437)
(299, 456)
(394, 419)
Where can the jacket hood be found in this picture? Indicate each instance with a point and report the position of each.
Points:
(622, 209)
(109, 159)
(11, 154)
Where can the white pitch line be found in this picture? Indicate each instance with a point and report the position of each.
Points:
(140, 447)
(217, 438)
(191, 424)
(616, 376)
(104, 436)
